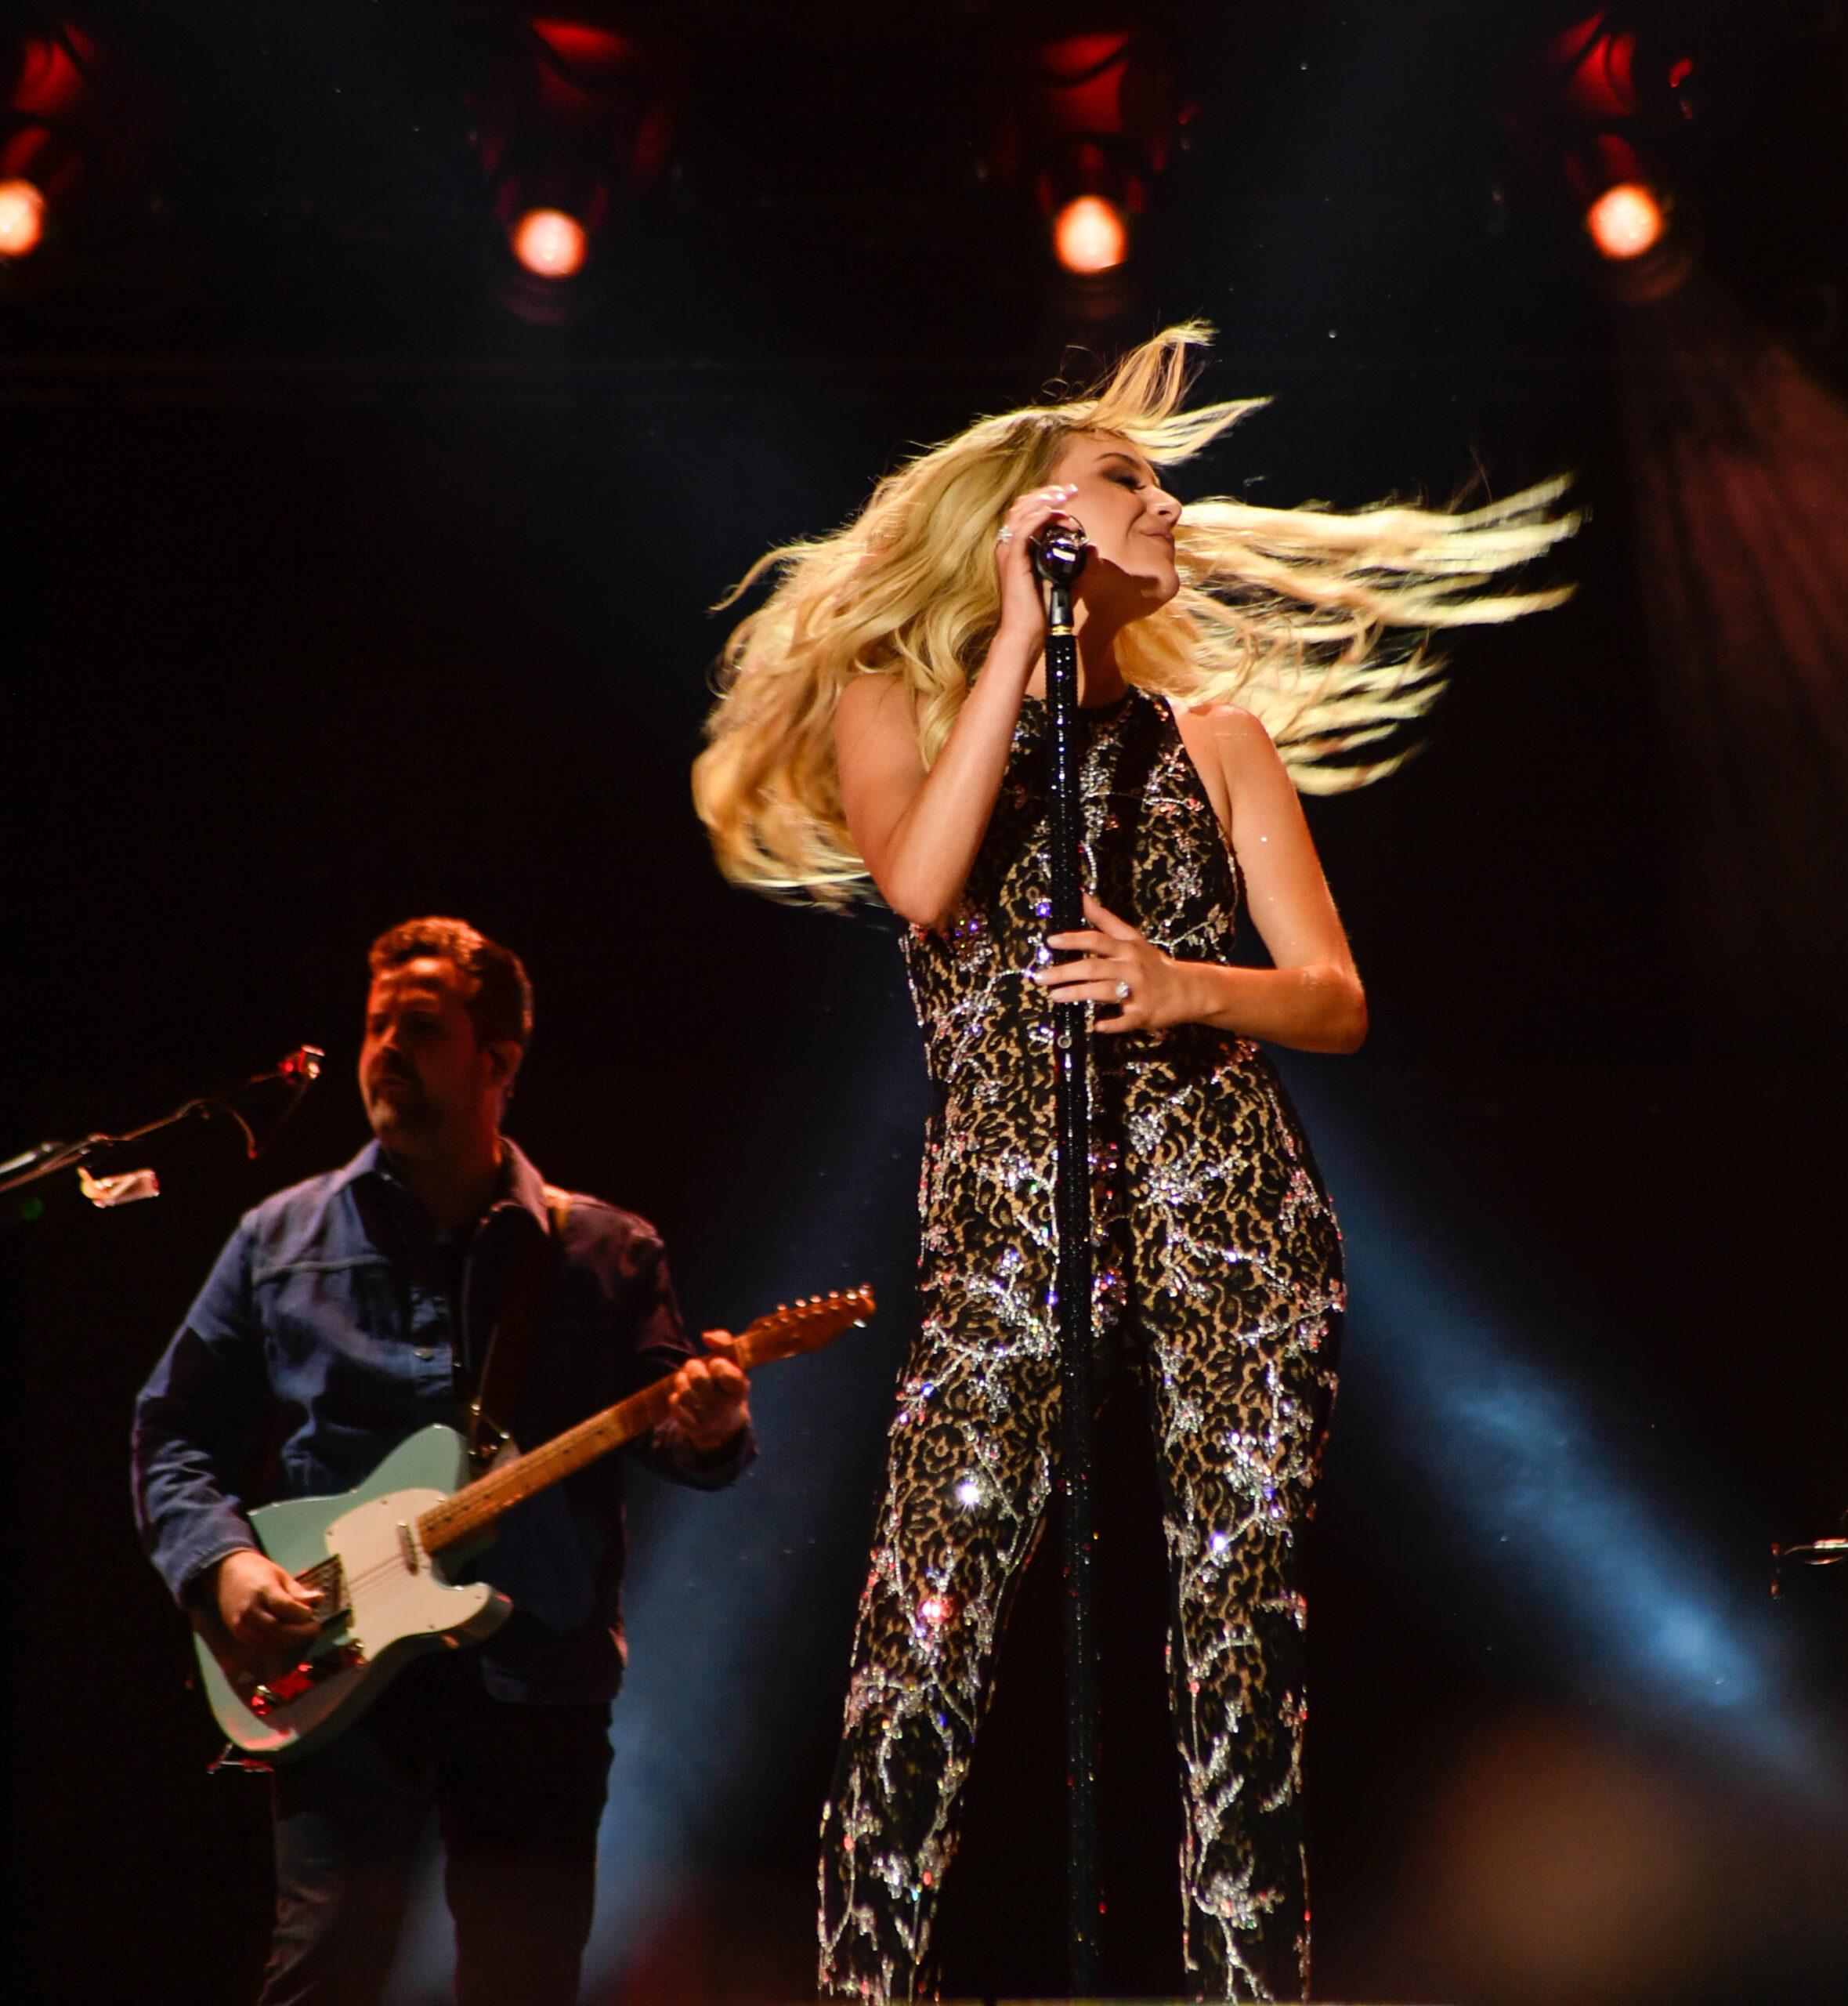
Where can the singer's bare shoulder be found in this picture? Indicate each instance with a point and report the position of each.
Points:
(875, 704)
(1225, 741)
(1231, 720)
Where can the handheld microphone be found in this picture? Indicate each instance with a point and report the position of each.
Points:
(1059, 550)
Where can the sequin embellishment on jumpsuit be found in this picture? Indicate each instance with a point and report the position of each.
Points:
(1218, 1271)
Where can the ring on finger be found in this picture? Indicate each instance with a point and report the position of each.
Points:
(1005, 534)
(1123, 992)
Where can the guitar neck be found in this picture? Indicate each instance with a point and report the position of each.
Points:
(477, 1505)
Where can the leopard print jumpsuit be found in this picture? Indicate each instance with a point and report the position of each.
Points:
(1218, 1281)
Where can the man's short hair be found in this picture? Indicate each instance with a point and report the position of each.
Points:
(500, 1005)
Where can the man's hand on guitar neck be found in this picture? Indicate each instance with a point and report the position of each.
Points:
(262, 1605)
(712, 1398)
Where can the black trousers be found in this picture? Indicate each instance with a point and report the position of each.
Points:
(518, 1791)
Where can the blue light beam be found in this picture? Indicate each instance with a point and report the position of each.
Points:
(1515, 1458)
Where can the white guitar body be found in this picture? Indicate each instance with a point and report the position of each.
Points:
(395, 1602)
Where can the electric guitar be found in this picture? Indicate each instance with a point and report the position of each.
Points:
(379, 1557)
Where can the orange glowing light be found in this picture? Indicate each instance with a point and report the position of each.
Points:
(22, 219)
(1090, 236)
(550, 244)
(1626, 221)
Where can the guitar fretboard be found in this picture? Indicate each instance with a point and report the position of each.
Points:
(478, 1504)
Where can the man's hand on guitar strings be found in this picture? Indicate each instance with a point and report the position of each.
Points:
(710, 1402)
(263, 1605)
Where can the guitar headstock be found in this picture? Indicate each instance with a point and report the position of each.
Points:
(804, 1326)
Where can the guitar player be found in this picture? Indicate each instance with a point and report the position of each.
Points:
(434, 1278)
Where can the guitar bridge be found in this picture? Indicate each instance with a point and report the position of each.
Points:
(284, 1690)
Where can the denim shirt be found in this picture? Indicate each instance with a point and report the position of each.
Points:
(326, 1334)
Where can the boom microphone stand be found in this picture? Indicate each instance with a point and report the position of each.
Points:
(298, 1071)
(1059, 552)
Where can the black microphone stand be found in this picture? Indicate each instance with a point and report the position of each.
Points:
(1059, 553)
(299, 1070)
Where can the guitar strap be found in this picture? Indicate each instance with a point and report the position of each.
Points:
(510, 1345)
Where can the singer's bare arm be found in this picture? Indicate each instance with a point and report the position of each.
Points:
(918, 832)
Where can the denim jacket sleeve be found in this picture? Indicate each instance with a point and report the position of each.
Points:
(195, 1420)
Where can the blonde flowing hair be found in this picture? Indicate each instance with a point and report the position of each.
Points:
(1318, 622)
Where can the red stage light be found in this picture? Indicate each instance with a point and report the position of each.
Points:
(1626, 221)
(1088, 72)
(53, 73)
(1090, 236)
(550, 244)
(22, 219)
(1600, 64)
(599, 51)
(1569, 47)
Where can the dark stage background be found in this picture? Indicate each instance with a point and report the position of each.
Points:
(343, 582)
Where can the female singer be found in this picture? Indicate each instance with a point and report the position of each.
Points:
(882, 719)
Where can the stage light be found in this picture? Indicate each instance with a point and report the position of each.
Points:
(1626, 222)
(1090, 236)
(1083, 130)
(575, 125)
(550, 244)
(22, 219)
(1599, 59)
